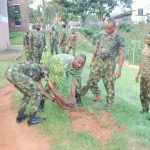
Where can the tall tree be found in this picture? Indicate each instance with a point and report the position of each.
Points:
(83, 8)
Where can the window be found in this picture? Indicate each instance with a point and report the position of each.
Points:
(17, 8)
(17, 11)
(17, 23)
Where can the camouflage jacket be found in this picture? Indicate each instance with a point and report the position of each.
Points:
(33, 70)
(38, 39)
(109, 45)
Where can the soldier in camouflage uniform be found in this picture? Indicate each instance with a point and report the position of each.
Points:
(73, 67)
(26, 78)
(72, 42)
(109, 46)
(53, 37)
(26, 44)
(38, 42)
(144, 75)
(63, 39)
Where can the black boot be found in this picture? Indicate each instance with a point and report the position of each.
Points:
(78, 99)
(34, 120)
(41, 106)
(144, 111)
(21, 116)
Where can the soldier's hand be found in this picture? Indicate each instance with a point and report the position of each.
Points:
(118, 73)
(137, 78)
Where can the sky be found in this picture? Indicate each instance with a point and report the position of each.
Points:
(136, 4)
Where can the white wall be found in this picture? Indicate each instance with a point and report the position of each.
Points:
(4, 29)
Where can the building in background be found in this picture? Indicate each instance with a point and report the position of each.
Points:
(4, 30)
(22, 23)
(140, 15)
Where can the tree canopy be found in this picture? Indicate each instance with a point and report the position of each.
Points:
(82, 8)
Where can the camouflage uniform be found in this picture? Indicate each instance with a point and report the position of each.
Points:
(37, 44)
(104, 64)
(63, 41)
(66, 63)
(54, 41)
(26, 43)
(145, 79)
(72, 43)
(25, 77)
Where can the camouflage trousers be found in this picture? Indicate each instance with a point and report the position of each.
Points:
(28, 87)
(63, 48)
(145, 92)
(103, 69)
(73, 49)
(37, 54)
(53, 46)
(28, 55)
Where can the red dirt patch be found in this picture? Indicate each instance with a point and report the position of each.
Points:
(101, 127)
(17, 136)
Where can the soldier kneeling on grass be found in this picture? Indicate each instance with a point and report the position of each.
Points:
(26, 77)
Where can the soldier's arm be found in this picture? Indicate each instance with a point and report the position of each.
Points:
(138, 73)
(94, 54)
(59, 99)
(44, 92)
(120, 63)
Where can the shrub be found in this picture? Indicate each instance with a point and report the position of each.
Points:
(124, 27)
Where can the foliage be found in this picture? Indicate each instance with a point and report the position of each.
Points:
(124, 27)
(56, 73)
(134, 43)
(83, 8)
(45, 13)
(125, 111)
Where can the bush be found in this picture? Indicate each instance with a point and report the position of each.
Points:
(124, 27)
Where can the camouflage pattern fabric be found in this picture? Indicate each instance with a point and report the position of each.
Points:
(109, 45)
(26, 44)
(24, 77)
(63, 41)
(66, 63)
(72, 44)
(37, 44)
(103, 69)
(145, 92)
(54, 41)
(104, 64)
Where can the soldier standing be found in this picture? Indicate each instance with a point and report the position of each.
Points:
(144, 75)
(109, 46)
(26, 44)
(63, 39)
(38, 43)
(72, 42)
(53, 37)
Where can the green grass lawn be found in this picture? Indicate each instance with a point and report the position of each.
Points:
(125, 111)
(16, 38)
(4, 66)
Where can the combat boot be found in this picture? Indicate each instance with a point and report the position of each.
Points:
(144, 111)
(21, 116)
(35, 120)
(41, 106)
(78, 99)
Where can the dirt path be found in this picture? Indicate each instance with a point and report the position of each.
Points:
(14, 136)
(101, 127)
